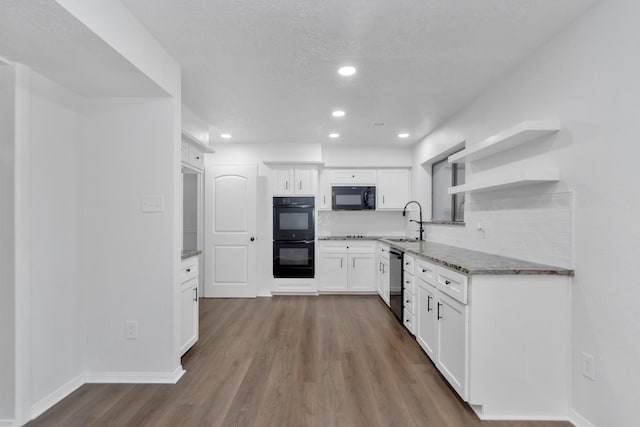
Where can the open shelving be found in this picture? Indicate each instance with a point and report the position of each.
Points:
(523, 132)
(512, 179)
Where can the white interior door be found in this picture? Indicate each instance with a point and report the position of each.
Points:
(230, 229)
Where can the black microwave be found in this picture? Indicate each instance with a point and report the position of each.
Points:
(353, 198)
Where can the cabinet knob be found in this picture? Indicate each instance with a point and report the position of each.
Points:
(424, 270)
(446, 282)
(188, 270)
(252, 239)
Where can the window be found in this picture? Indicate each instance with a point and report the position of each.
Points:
(445, 206)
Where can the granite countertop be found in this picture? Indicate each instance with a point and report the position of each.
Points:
(364, 238)
(473, 262)
(190, 253)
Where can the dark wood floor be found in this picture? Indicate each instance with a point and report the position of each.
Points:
(286, 361)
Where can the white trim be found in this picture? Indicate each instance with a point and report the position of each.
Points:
(56, 396)
(488, 417)
(292, 293)
(578, 420)
(197, 142)
(7, 423)
(265, 294)
(460, 145)
(135, 377)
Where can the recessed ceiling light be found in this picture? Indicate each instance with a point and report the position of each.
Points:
(338, 113)
(403, 135)
(225, 136)
(347, 71)
(334, 135)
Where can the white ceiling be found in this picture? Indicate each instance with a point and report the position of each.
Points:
(43, 35)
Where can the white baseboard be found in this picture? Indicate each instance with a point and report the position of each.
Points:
(578, 420)
(265, 294)
(489, 417)
(135, 377)
(56, 396)
(7, 423)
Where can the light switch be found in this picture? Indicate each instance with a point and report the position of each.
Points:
(152, 204)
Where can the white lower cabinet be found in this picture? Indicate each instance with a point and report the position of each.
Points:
(382, 273)
(347, 266)
(189, 305)
(442, 328)
(490, 335)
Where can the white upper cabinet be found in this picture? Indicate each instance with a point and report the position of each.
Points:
(353, 177)
(193, 151)
(324, 191)
(392, 189)
(298, 181)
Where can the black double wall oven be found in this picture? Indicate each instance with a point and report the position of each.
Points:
(293, 237)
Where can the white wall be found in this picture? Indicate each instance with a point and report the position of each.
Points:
(57, 319)
(129, 259)
(337, 156)
(587, 79)
(7, 242)
(343, 223)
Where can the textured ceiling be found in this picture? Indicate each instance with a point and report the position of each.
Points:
(44, 36)
(265, 70)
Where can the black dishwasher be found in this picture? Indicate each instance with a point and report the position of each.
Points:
(395, 282)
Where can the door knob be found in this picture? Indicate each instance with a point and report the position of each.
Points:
(253, 238)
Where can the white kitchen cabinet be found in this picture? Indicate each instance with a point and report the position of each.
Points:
(333, 272)
(392, 189)
(452, 358)
(383, 274)
(295, 181)
(442, 333)
(324, 191)
(192, 152)
(353, 177)
(188, 304)
(426, 328)
(347, 266)
(362, 272)
(409, 301)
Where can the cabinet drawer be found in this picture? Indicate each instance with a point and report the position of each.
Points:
(408, 263)
(189, 269)
(408, 283)
(196, 157)
(453, 284)
(408, 303)
(348, 246)
(383, 251)
(426, 271)
(408, 320)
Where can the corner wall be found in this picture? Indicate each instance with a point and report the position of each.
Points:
(587, 79)
(7, 243)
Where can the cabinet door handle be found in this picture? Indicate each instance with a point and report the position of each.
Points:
(196, 296)
(300, 186)
(428, 303)
(354, 262)
(383, 199)
(341, 262)
(324, 200)
(286, 185)
(439, 317)
(379, 266)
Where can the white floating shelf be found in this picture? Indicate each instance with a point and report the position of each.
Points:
(513, 179)
(519, 134)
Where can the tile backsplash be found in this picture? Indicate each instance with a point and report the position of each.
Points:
(366, 223)
(537, 228)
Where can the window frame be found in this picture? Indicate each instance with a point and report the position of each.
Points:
(453, 197)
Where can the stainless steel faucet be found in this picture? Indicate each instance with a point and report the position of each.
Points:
(404, 213)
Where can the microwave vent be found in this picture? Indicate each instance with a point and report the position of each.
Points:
(376, 125)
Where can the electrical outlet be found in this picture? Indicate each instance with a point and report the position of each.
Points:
(482, 229)
(131, 330)
(589, 366)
